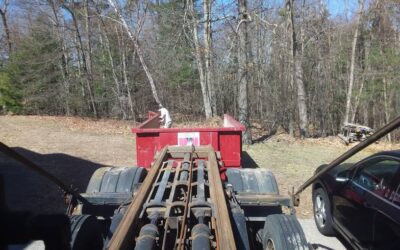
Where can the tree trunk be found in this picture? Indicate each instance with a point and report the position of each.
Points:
(63, 59)
(89, 77)
(352, 62)
(112, 64)
(88, 42)
(114, 75)
(290, 110)
(203, 84)
(104, 79)
(138, 50)
(387, 111)
(79, 61)
(128, 91)
(148, 74)
(243, 75)
(301, 99)
(207, 56)
(3, 14)
(357, 100)
(365, 68)
(296, 59)
(89, 59)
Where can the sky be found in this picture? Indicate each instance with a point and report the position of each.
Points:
(341, 7)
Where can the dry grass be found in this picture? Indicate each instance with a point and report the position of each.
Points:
(101, 141)
(101, 126)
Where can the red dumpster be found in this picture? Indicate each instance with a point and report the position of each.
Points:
(227, 139)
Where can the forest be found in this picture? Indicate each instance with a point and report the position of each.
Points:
(291, 64)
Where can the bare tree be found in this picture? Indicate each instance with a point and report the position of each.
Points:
(64, 55)
(85, 63)
(296, 59)
(207, 56)
(352, 62)
(114, 72)
(125, 77)
(203, 80)
(362, 81)
(88, 40)
(3, 13)
(243, 73)
(138, 50)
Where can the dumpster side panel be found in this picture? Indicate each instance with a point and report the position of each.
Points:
(230, 146)
(146, 146)
(209, 138)
(167, 138)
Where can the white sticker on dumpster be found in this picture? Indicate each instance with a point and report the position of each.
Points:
(189, 138)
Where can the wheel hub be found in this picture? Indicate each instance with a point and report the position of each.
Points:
(320, 211)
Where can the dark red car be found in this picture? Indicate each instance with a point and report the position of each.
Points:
(361, 202)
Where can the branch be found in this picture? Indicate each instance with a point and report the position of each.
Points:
(138, 51)
(112, 19)
(4, 12)
(266, 22)
(244, 20)
(141, 21)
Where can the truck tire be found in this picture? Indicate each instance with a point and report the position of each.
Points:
(115, 180)
(322, 212)
(283, 232)
(85, 233)
(96, 179)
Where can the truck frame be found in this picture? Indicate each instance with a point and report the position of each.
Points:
(193, 197)
(189, 191)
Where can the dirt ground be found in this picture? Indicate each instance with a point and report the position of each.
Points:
(73, 148)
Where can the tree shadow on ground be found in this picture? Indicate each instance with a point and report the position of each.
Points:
(26, 190)
(265, 137)
(323, 247)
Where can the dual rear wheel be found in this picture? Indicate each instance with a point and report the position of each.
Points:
(108, 186)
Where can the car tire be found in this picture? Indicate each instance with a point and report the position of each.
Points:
(322, 212)
(283, 232)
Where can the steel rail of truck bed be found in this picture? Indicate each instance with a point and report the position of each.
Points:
(129, 227)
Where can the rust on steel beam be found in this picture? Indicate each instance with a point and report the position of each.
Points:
(272, 199)
(182, 234)
(123, 237)
(226, 239)
(180, 151)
